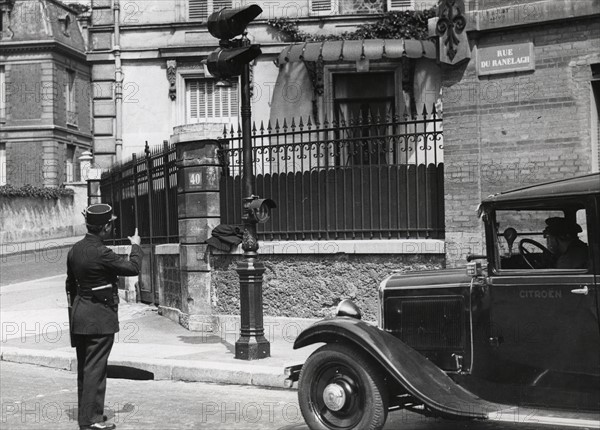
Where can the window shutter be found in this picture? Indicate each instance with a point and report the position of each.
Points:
(192, 90)
(220, 4)
(400, 4)
(234, 108)
(208, 102)
(322, 7)
(198, 9)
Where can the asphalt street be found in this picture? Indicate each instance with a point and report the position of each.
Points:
(35, 398)
(41, 263)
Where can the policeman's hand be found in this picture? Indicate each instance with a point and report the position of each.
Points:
(135, 239)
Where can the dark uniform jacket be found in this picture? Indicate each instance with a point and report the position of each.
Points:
(576, 256)
(90, 265)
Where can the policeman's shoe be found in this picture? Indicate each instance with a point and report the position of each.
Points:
(98, 426)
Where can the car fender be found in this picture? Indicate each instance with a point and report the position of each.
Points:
(420, 377)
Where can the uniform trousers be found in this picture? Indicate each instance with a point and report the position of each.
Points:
(92, 365)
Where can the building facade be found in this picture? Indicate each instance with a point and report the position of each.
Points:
(522, 110)
(148, 75)
(45, 110)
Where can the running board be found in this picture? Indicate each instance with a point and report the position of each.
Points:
(518, 415)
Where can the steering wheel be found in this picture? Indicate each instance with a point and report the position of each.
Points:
(527, 254)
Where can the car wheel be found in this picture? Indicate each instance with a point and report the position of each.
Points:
(341, 388)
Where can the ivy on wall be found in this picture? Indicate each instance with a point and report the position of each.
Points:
(409, 24)
(36, 192)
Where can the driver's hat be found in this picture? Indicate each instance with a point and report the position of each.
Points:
(99, 214)
(557, 226)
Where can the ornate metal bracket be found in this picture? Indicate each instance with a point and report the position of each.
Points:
(251, 77)
(172, 77)
(315, 73)
(450, 28)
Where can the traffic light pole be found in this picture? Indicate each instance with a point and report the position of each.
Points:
(252, 344)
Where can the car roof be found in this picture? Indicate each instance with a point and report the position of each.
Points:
(580, 185)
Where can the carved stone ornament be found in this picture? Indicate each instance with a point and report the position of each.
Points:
(6, 7)
(450, 27)
(172, 77)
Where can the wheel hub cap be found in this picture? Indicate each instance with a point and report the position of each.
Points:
(334, 397)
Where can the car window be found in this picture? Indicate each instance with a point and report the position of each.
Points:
(541, 239)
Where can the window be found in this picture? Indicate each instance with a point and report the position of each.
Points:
(367, 99)
(2, 95)
(207, 102)
(331, 7)
(70, 98)
(201, 9)
(2, 163)
(542, 239)
(70, 164)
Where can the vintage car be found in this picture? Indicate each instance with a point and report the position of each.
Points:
(514, 337)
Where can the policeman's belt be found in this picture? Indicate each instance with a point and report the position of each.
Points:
(89, 293)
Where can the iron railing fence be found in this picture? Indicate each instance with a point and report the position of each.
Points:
(143, 194)
(364, 178)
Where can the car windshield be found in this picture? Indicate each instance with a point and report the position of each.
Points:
(535, 238)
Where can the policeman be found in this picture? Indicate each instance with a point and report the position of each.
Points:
(92, 271)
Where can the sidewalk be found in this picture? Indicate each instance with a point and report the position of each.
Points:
(149, 346)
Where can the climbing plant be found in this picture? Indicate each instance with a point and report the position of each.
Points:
(409, 24)
(32, 191)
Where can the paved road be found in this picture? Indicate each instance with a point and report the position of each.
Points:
(36, 398)
(33, 265)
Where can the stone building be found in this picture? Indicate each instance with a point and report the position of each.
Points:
(519, 90)
(151, 53)
(45, 102)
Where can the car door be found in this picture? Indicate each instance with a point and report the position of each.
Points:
(545, 332)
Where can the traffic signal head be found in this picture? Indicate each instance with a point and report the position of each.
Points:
(260, 209)
(229, 62)
(229, 23)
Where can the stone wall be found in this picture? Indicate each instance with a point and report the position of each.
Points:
(311, 286)
(27, 219)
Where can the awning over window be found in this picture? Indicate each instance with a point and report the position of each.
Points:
(353, 50)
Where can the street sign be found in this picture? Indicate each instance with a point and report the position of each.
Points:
(518, 57)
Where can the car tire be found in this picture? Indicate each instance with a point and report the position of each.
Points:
(350, 377)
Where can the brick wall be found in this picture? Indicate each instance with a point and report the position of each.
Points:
(511, 130)
(24, 163)
(24, 94)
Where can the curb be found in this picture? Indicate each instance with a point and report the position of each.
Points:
(43, 248)
(175, 370)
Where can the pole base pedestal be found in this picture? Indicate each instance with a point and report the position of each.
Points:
(252, 348)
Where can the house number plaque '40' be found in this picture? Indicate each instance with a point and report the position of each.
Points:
(194, 179)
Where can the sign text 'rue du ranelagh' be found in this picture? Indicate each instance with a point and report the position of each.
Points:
(505, 59)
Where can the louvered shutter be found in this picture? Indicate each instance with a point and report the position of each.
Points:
(209, 103)
(220, 4)
(198, 9)
(400, 4)
(192, 101)
(322, 7)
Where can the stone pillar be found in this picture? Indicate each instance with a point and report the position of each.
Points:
(199, 212)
